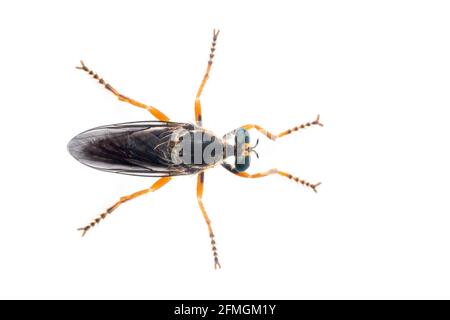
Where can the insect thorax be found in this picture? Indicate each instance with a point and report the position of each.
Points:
(197, 147)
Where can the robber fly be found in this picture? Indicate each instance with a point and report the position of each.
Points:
(166, 149)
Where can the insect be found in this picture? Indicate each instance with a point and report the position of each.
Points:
(166, 149)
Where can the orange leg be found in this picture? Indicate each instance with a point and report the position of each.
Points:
(281, 173)
(200, 181)
(198, 106)
(158, 184)
(284, 133)
(155, 112)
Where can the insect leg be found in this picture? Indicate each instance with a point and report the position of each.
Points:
(270, 172)
(284, 133)
(200, 181)
(155, 112)
(198, 107)
(158, 184)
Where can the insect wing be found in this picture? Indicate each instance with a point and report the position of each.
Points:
(134, 148)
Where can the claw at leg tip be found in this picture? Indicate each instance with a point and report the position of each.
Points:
(84, 231)
(217, 264)
(315, 186)
(82, 65)
(317, 121)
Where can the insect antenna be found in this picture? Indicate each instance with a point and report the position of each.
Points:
(252, 149)
(256, 153)
(256, 144)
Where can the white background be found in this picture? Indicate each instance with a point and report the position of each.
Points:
(378, 72)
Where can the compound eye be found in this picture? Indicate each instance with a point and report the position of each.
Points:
(242, 136)
(242, 163)
(242, 160)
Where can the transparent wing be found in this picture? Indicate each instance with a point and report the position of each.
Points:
(134, 148)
